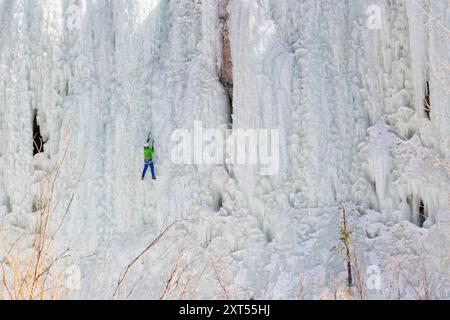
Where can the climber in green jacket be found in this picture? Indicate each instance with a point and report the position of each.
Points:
(148, 160)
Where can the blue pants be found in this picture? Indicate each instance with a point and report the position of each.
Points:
(148, 163)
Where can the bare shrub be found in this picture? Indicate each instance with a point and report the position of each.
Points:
(345, 236)
(127, 268)
(29, 269)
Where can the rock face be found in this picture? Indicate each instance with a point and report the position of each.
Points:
(226, 70)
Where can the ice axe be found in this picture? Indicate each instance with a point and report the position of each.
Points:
(150, 138)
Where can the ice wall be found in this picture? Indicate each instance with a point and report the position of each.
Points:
(346, 95)
(101, 75)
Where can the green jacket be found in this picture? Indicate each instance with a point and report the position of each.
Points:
(148, 153)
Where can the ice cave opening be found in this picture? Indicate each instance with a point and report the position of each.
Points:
(38, 141)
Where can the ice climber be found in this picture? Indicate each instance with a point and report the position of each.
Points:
(148, 160)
